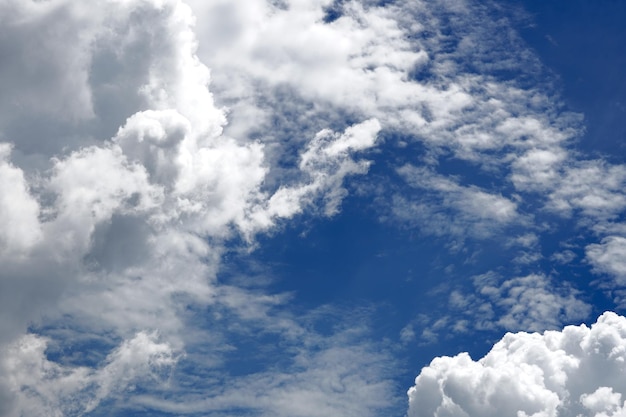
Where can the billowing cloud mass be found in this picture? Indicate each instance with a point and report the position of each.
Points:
(110, 229)
(573, 372)
(145, 144)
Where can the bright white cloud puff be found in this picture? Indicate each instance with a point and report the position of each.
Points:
(573, 372)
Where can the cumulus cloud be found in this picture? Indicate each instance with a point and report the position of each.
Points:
(116, 229)
(575, 371)
(322, 61)
(19, 210)
(42, 53)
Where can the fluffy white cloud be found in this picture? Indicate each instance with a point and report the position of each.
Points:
(399, 64)
(360, 61)
(394, 62)
(115, 229)
(576, 371)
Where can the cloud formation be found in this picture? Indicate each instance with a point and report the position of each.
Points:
(142, 140)
(38, 386)
(114, 235)
(446, 208)
(576, 371)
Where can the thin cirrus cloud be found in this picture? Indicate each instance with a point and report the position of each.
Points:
(145, 141)
(445, 207)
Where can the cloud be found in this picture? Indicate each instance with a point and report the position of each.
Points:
(250, 357)
(323, 61)
(571, 372)
(594, 188)
(326, 163)
(129, 181)
(563, 257)
(19, 211)
(608, 257)
(311, 375)
(446, 208)
(534, 302)
(40, 387)
(115, 230)
(42, 54)
(462, 96)
(396, 62)
(531, 303)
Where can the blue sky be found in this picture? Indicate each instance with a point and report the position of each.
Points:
(312, 208)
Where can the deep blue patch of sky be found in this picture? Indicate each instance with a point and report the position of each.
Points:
(582, 41)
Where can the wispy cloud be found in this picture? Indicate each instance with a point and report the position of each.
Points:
(444, 207)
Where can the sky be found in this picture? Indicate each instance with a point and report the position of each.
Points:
(308, 208)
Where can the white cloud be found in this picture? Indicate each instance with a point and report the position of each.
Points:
(367, 61)
(126, 178)
(563, 257)
(86, 197)
(359, 61)
(41, 387)
(445, 207)
(594, 188)
(400, 65)
(576, 371)
(534, 302)
(604, 403)
(169, 171)
(19, 211)
(316, 376)
(117, 237)
(538, 169)
(326, 162)
(609, 257)
(531, 303)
